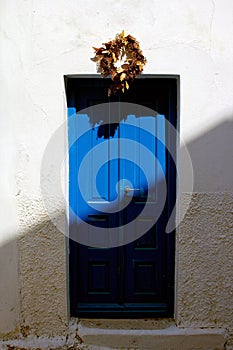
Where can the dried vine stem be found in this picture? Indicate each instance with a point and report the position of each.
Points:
(120, 58)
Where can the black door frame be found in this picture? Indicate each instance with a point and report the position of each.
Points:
(173, 90)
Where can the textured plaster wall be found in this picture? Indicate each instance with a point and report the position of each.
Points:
(43, 40)
(204, 269)
(42, 259)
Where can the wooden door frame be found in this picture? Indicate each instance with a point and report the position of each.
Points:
(173, 118)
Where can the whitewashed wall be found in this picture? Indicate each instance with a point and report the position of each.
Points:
(41, 41)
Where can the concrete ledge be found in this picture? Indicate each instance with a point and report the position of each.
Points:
(169, 338)
(124, 334)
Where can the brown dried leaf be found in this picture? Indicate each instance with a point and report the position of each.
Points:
(122, 76)
(140, 68)
(114, 57)
(95, 59)
(115, 74)
(130, 38)
(119, 70)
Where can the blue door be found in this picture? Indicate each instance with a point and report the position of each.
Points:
(121, 260)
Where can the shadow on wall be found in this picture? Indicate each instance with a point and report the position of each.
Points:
(212, 159)
(42, 249)
(38, 296)
(9, 293)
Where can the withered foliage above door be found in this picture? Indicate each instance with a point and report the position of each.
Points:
(120, 58)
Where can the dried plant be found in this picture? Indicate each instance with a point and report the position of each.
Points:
(120, 58)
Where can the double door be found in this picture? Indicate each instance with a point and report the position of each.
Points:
(121, 259)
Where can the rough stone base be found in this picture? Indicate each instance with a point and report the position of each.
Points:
(125, 334)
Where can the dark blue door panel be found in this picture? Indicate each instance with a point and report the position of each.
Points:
(132, 280)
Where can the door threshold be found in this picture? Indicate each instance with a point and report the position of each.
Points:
(127, 324)
(147, 334)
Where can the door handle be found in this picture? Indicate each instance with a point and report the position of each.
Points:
(128, 189)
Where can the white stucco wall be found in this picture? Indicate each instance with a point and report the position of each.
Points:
(43, 40)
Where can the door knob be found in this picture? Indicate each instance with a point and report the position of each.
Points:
(128, 189)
